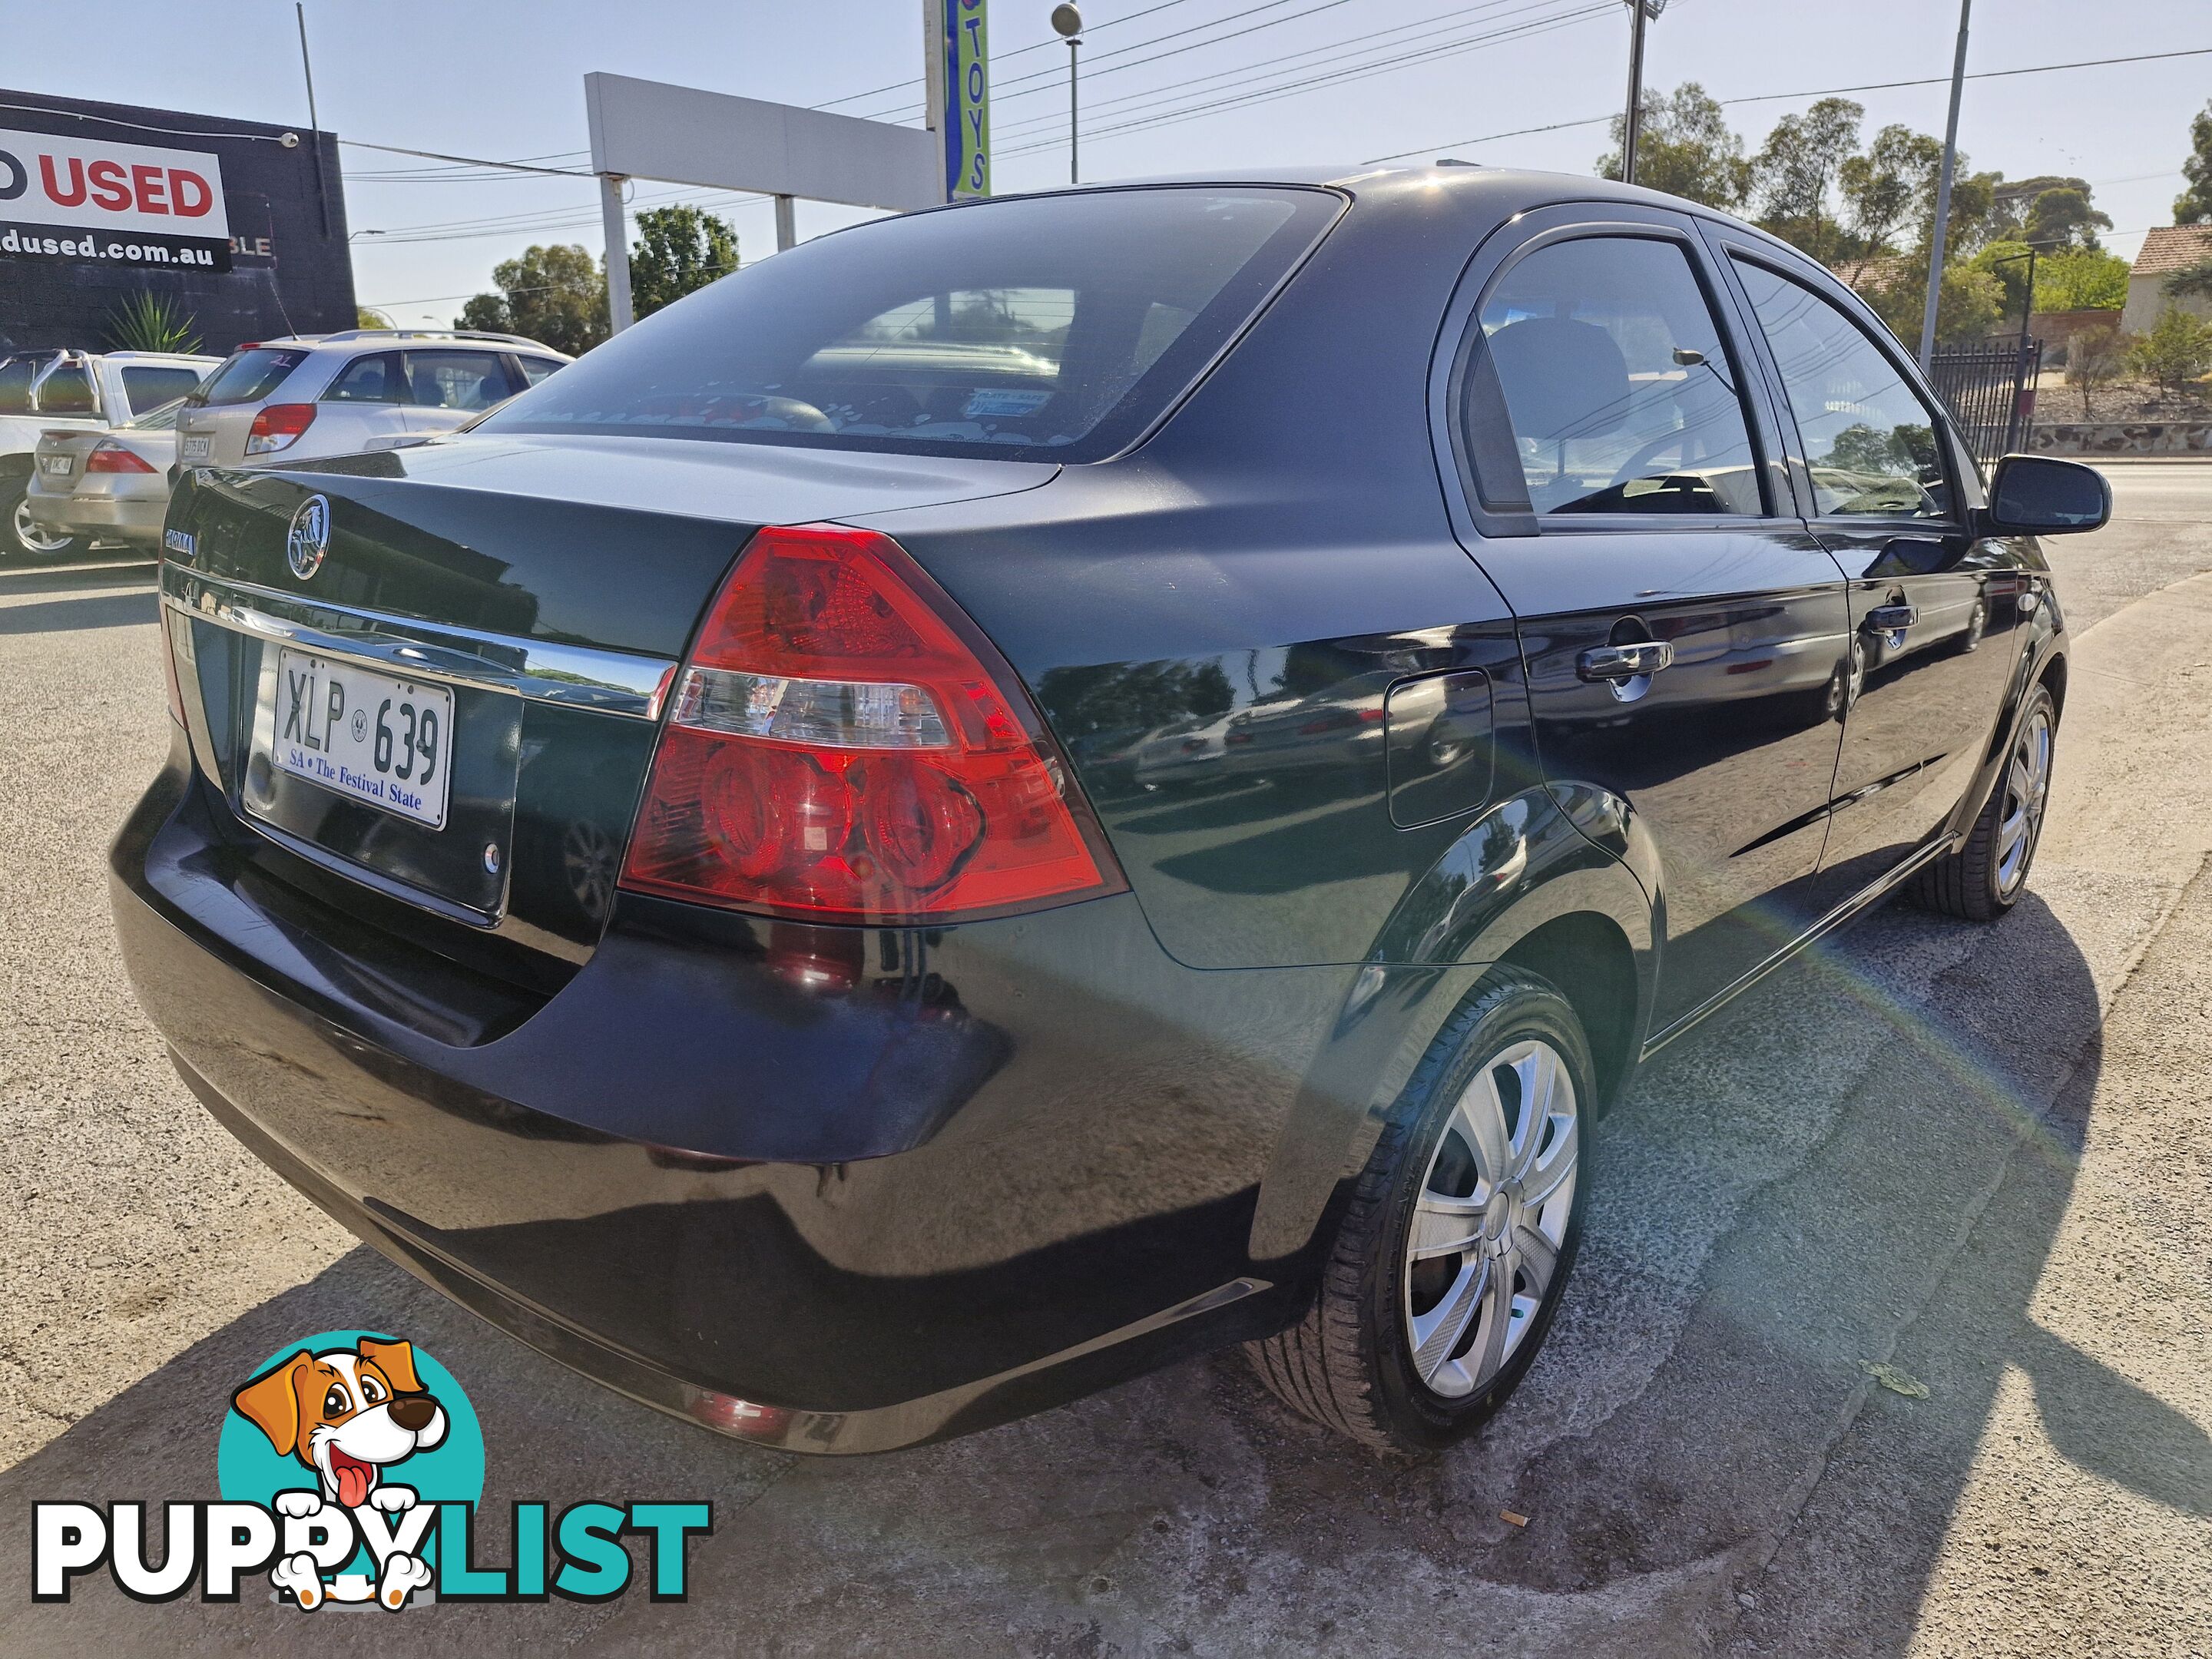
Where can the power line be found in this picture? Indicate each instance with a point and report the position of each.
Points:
(1817, 92)
(1216, 106)
(1000, 93)
(1018, 52)
(1131, 102)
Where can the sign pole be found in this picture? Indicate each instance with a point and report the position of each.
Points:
(314, 123)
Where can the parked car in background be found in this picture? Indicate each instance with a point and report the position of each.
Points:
(94, 486)
(362, 389)
(922, 1064)
(73, 390)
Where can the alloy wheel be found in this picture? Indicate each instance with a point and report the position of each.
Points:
(35, 537)
(1491, 1219)
(2028, 792)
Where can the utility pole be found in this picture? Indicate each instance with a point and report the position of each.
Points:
(1942, 226)
(1069, 22)
(1639, 11)
(620, 313)
(314, 123)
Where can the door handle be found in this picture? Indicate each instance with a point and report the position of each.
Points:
(1625, 662)
(1889, 619)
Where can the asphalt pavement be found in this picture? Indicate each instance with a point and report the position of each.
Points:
(1892, 1333)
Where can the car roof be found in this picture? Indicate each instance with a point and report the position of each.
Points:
(1480, 191)
(369, 339)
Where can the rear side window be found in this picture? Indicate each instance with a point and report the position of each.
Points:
(1054, 327)
(250, 375)
(457, 380)
(15, 378)
(378, 378)
(1621, 395)
(535, 369)
(149, 388)
(67, 391)
(1869, 440)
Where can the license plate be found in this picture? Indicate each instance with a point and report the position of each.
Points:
(364, 735)
(56, 466)
(194, 449)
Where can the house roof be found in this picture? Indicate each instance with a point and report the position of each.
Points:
(1860, 275)
(2171, 248)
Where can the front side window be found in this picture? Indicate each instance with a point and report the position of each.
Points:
(457, 380)
(1869, 440)
(377, 379)
(1042, 328)
(1620, 394)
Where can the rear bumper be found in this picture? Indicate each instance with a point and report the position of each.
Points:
(1001, 1166)
(108, 517)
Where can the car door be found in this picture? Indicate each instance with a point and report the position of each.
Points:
(366, 405)
(1684, 635)
(453, 388)
(1935, 611)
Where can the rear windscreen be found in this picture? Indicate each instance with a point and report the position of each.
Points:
(149, 388)
(250, 375)
(1042, 328)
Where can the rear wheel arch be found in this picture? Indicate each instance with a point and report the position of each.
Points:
(1588, 958)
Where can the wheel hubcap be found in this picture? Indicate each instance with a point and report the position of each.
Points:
(35, 535)
(2027, 791)
(1483, 1252)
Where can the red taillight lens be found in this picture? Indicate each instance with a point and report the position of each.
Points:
(278, 426)
(845, 746)
(110, 457)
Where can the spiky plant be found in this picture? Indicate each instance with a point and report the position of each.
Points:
(152, 322)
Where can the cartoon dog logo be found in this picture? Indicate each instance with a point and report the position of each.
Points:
(348, 1415)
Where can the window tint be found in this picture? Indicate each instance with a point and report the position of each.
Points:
(1869, 440)
(250, 376)
(457, 380)
(376, 378)
(1621, 397)
(67, 391)
(1048, 327)
(149, 388)
(535, 369)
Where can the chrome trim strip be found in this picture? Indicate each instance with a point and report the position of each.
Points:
(1828, 924)
(575, 677)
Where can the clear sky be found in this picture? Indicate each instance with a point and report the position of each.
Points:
(505, 80)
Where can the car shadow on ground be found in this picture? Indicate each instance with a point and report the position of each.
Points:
(1887, 1127)
(128, 609)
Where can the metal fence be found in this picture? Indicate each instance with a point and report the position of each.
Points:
(1990, 389)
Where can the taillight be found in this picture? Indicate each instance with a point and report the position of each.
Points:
(278, 426)
(108, 456)
(844, 745)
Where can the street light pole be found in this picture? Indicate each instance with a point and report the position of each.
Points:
(1069, 22)
(1943, 196)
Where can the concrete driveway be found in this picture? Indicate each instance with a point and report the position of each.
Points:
(1892, 1333)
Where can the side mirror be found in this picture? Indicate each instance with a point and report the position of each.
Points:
(2040, 496)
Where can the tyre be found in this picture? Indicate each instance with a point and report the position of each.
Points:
(1451, 1256)
(21, 537)
(1986, 875)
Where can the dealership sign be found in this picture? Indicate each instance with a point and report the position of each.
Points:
(966, 116)
(89, 199)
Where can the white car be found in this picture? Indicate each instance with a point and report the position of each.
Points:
(43, 391)
(313, 395)
(107, 486)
